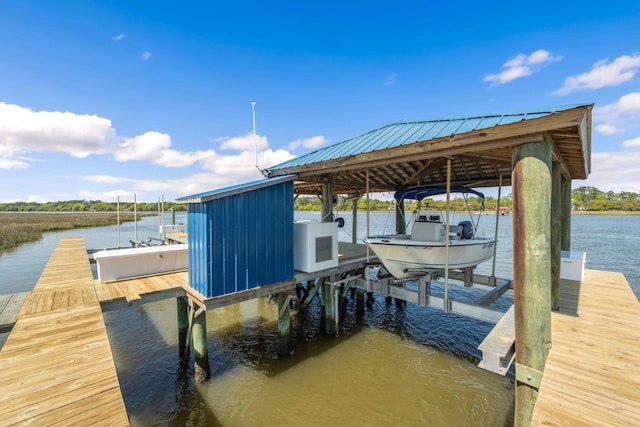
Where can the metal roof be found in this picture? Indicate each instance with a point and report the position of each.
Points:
(411, 153)
(231, 191)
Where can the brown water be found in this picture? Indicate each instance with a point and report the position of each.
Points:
(395, 365)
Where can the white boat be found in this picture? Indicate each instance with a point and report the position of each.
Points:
(425, 249)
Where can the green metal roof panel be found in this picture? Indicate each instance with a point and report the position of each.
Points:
(402, 133)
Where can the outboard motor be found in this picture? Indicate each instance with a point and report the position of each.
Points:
(467, 230)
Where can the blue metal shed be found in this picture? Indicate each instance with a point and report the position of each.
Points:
(240, 237)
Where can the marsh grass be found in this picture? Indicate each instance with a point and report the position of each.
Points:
(22, 227)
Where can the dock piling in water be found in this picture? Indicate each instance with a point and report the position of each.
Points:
(531, 270)
(200, 350)
(284, 324)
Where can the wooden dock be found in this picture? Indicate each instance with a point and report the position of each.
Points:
(592, 374)
(56, 365)
(9, 307)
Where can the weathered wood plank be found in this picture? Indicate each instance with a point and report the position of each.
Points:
(11, 308)
(102, 292)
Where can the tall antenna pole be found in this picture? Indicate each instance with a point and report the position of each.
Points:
(255, 142)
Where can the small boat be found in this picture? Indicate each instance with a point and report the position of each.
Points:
(425, 249)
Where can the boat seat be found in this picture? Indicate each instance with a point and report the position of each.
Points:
(428, 231)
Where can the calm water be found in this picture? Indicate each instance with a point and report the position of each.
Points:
(395, 365)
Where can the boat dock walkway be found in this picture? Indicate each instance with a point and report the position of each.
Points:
(56, 365)
(9, 307)
(592, 374)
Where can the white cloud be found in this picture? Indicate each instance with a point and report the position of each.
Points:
(624, 113)
(313, 142)
(608, 129)
(242, 143)
(603, 74)
(119, 37)
(105, 179)
(615, 171)
(145, 56)
(635, 142)
(6, 163)
(25, 131)
(521, 66)
(112, 195)
(154, 147)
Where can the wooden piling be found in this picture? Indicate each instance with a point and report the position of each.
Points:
(360, 301)
(329, 310)
(200, 350)
(327, 202)
(531, 186)
(566, 214)
(284, 324)
(556, 233)
(183, 327)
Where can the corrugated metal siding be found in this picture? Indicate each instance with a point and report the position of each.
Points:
(241, 241)
(402, 133)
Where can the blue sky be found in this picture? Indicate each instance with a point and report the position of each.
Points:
(110, 98)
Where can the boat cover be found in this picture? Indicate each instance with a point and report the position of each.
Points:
(419, 193)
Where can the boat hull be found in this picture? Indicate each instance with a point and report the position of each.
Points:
(401, 256)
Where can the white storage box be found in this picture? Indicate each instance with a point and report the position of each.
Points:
(119, 264)
(315, 246)
(572, 265)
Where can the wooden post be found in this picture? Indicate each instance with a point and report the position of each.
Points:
(360, 301)
(327, 203)
(284, 325)
(183, 327)
(556, 233)
(201, 353)
(328, 307)
(566, 214)
(329, 310)
(531, 186)
(401, 227)
(354, 220)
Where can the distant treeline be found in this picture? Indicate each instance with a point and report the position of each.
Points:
(583, 198)
(592, 199)
(311, 203)
(87, 206)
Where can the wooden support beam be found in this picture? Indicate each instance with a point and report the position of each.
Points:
(284, 324)
(183, 327)
(329, 310)
(556, 232)
(313, 293)
(531, 188)
(360, 301)
(201, 352)
(327, 203)
(566, 214)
